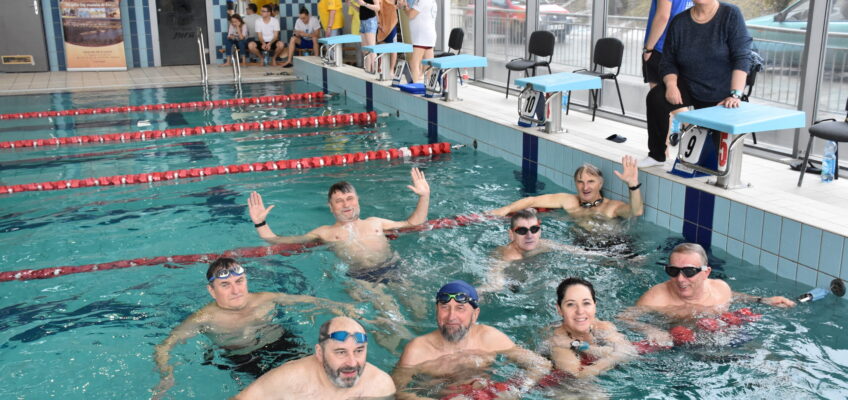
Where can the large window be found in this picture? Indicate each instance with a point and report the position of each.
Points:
(574, 40)
(461, 15)
(834, 82)
(506, 24)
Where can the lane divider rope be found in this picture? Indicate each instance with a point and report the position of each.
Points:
(302, 163)
(189, 105)
(324, 120)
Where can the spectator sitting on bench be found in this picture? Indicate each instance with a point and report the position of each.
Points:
(267, 36)
(306, 32)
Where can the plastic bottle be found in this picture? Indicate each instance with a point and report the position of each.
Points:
(829, 161)
(813, 295)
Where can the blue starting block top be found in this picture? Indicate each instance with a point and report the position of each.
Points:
(747, 118)
(460, 61)
(560, 82)
(341, 39)
(389, 48)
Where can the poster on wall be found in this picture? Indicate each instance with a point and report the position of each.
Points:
(94, 36)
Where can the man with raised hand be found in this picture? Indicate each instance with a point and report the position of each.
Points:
(337, 370)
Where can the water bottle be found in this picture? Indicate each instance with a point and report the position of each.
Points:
(829, 161)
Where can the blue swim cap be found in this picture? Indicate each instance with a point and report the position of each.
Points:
(459, 286)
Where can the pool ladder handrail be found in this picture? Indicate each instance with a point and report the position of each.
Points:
(201, 51)
(236, 64)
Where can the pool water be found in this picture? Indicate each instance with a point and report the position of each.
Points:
(92, 334)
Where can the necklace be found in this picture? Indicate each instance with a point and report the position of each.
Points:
(707, 15)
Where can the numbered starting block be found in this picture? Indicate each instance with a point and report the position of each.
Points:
(444, 74)
(717, 148)
(540, 102)
(331, 48)
(401, 71)
(383, 60)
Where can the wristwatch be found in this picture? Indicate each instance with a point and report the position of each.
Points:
(646, 50)
(736, 94)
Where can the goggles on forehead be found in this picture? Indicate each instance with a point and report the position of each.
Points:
(341, 336)
(688, 270)
(523, 230)
(235, 270)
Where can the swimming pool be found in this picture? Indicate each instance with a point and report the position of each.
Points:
(92, 334)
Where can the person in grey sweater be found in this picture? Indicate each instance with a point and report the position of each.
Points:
(706, 60)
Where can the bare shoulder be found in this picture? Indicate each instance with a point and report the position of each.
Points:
(721, 286)
(416, 352)
(378, 382)
(654, 297)
(493, 339)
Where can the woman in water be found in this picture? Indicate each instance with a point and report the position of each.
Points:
(583, 346)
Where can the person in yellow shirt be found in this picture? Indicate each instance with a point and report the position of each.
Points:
(353, 11)
(332, 19)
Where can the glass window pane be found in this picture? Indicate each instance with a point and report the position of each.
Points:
(574, 40)
(627, 21)
(506, 22)
(834, 82)
(462, 16)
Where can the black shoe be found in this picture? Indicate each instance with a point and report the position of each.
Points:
(795, 165)
(288, 65)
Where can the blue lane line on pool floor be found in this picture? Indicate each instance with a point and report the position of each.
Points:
(369, 96)
(432, 122)
(324, 79)
(698, 217)
(529, 162)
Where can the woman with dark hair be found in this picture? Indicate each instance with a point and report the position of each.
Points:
(706, 59)
(583, 346)
(236, 35)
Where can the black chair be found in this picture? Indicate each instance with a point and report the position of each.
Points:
(828, 129)
(541, 44)
(608, 54)
(454, 43)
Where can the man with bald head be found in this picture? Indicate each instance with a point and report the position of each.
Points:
(337, 370)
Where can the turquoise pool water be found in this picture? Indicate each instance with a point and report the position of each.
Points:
(92, 334)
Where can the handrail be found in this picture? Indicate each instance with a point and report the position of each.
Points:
(236, 64)
(201, 51)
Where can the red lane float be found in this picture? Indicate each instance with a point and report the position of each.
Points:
(307, 162)
(284, 98)
(324, 120)
(247, 252)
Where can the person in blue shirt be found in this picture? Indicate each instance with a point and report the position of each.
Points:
(662, 11)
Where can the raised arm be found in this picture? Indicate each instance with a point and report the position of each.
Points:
(554, 200)
(162, 353)
(420, 187)
(775, 301)
(258, 214)
(630, 176)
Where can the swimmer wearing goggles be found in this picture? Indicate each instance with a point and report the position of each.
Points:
(341, 336)
(224, 273)
(523, 229)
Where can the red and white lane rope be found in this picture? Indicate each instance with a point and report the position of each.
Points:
(307, 162)
(190, 105)
(247, 252)
(324, 120)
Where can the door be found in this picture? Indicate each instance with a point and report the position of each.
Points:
(23, 48)
(178, 23)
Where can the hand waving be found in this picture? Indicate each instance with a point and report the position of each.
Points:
(630, 173)
(257, 209)
(419, 183)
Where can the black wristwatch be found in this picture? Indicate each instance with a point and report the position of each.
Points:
(646, 50)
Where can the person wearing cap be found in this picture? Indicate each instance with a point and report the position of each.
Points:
(240, 322)
(337, 370)
(589, 200)
(461, 350)
(689, 292)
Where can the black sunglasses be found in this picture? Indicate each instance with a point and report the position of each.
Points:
(688, 271)
(523, 230)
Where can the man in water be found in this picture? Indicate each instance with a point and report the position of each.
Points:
(525, 241)
(239, 322)
(589, 201)
(689, 292)
(337, 370)
(461, 350)
(361, 243)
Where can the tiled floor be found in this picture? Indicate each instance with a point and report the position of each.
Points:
(40, 82)
(773, 189)
(773, 185)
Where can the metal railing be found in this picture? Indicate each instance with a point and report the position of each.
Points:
(236, 57)
(201, 52)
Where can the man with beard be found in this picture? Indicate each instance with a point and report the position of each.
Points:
(589, 201)
(240, 322)
(337, 370)
(459, 353)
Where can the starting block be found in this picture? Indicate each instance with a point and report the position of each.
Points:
(541, 100)
(726, 129)
(444, 77)
(331, 48)
(384, 52)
